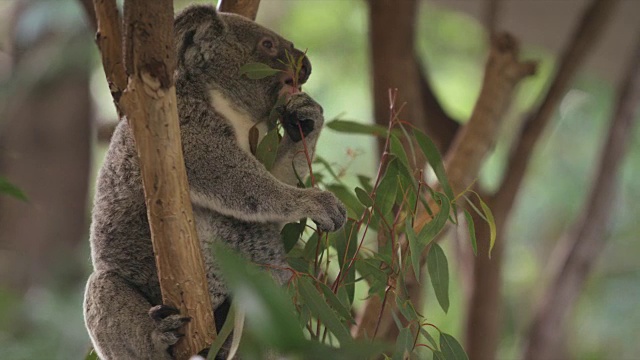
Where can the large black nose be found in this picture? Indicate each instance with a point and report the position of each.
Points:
(305, 71)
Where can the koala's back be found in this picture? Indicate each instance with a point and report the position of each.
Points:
(120, 235)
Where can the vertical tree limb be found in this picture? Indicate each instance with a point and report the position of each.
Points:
(150, 105)
(246, 8)
(484, 315)
(578, 251)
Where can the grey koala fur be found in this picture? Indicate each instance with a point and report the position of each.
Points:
(234, 197)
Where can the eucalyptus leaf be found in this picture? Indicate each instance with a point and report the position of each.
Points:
(364, 197)
(313, 298)
(472, 232)
(492, 224)
(404, 344)
(268, 148)
(430, 150)
(8, 188)
(439, 274)
(353, 127)
(256, 71)
(451, 348)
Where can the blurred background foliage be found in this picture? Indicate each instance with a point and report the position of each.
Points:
(41, 291)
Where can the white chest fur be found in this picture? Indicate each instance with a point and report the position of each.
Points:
(239, 119)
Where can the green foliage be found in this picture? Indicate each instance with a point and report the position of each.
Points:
(9, 189)
(256, 71)
(329, 270)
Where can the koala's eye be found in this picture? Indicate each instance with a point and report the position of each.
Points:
(267, 44)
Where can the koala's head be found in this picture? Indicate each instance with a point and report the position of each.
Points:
(212, 47)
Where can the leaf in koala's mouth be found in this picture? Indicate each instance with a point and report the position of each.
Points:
(256, 71)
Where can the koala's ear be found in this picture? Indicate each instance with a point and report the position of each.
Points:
(198, 18)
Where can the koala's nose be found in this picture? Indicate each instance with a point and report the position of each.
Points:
(305, 71)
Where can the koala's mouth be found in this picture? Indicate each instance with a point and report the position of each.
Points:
(289, 86)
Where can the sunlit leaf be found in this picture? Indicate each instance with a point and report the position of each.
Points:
(439, 274)
(451, 348)
(9, 189)
(472, 232)
(364, 197)
(257, 71)
(313, 298)
(492, 224)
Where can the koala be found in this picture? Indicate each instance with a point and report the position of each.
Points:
(235, 199)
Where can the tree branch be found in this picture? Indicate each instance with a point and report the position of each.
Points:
(579, 249)
(109, 40)
(483, 320)
(246, 8)
(585, 36)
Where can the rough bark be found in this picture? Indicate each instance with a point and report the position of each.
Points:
(149, 103)
(578, 251)
(246, 8)
(140, 75)
(484, 315)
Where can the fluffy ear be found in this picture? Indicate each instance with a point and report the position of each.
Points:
(198, 18)
(192, 22)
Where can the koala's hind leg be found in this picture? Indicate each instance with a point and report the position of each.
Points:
(119, 322)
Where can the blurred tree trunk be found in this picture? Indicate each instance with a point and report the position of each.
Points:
(45, 150)
(483, 323)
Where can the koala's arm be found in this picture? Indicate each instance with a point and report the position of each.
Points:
(291, 153)
(227, 179)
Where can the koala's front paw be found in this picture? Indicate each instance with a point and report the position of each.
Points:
(168, 321)
(328, 213)
(303, 110)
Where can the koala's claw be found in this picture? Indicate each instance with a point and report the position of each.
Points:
(168, 323)
(333, 213)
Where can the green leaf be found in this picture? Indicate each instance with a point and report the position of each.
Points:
(313, 298)
(395, 145)
(439, 274)
(91, 355)
(406, 308)
(404, 344)
(268, 148)
(428, 336)
(415, 247)
(291, 233)
(223, 334)
(451, 348)
(353, 127)
(364, 197)
(438, 355)
(312, 247)
(335, 303)
(327, 166)
(430, 150)
(8, 188)
(346, 243)
(386, 191)
(257, 71)
(370, 269)
(492, 224)
(365, 182)
(270, 314)
(435, 226)
(472, 232)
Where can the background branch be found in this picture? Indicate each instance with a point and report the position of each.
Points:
(578, 251)
(485, 310)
